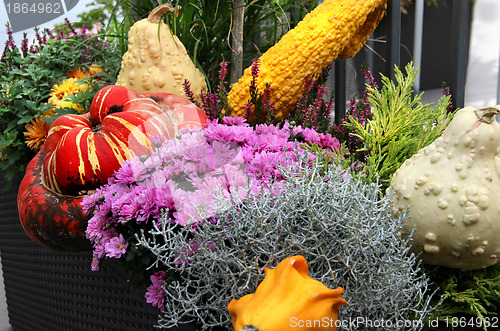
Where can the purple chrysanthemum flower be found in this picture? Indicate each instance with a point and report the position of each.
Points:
(155, 293)
(235, 120)
(131, 171)
(116, 246)
(179, 180)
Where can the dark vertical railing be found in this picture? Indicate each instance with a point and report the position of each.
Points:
(393, 36)
(460, 37)
(393, 58)
(460, 40)
(340, 89)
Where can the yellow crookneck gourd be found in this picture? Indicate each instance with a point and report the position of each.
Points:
(156, 61)
(452, 189)
(334, 29)
(288, 299)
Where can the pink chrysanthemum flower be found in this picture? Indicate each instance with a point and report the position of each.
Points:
(155, 294)
(116, 247)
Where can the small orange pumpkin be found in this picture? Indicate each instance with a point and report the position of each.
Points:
(288, 299)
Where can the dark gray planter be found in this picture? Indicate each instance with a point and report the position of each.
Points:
(49, 290)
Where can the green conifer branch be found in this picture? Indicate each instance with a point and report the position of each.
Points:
(400, 126)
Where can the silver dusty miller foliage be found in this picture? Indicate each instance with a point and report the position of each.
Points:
(339, 223)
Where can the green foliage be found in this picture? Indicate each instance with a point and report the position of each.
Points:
(466, 293)
(204, 26)
(401, 125)
(27, 78)
(24, 86)
(340, 224)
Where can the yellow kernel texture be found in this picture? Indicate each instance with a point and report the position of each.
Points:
(334, 29)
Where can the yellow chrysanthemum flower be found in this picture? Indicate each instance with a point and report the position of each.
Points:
(68, 86)
(66, 103)
(49, 112)
(60, 92)
(71, 86)
(78, 73)
(94, 70)
(36, 133)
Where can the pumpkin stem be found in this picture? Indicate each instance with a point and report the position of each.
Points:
(487, 114)
(156, 14)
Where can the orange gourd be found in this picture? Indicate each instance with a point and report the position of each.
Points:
(288, 299)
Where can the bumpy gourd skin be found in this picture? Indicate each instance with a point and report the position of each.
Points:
(334, 29)
(288, 299)
(452, 189)
(156, 60)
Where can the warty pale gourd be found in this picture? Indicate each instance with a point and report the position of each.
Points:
(452, 189)
(156, 60)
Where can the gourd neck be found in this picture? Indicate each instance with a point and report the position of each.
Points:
(249, 328)
(487, 114)
(156, 14)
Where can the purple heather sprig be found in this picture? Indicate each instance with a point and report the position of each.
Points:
(447, 92)
(213, 104)
(186, 86)
(221, 87)
(313, 109)
(267, 105)
(370, 80)
(255, 71)
(360, 111)
(49, 33)
(10, 44)
(70, 26)
(260, 108)
(24, 45)
(10, 40)
(250, 106)
(210, 104)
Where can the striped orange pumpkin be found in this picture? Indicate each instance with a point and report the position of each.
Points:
(82, 151)
(50, 219)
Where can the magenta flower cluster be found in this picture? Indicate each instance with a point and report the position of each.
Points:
(155, 294)
(181, 177)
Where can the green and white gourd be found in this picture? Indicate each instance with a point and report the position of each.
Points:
(452, 190)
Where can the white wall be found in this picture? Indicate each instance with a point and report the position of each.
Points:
(484, 53)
